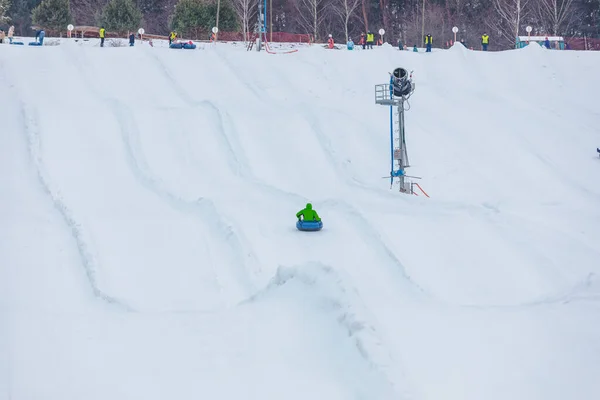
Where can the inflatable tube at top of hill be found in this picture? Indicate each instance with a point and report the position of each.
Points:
(189, 46)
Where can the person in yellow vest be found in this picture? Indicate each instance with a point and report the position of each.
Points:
(370, 39)
(485, 40)
(172, 37)
(428, 42)
(102, 36)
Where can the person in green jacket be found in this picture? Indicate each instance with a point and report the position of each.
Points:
(308, 213)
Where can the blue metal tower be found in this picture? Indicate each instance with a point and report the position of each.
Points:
(394, 94)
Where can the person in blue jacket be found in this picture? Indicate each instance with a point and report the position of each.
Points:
(39, 36)
(350, 44)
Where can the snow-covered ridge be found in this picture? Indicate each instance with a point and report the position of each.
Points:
(148, 247)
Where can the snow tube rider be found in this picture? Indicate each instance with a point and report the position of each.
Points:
(308, 219)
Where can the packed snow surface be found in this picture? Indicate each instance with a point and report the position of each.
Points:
(148, 247)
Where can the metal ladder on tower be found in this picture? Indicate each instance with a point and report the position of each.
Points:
(400, 152)
(251, 42)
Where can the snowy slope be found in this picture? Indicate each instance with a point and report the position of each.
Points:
(148, 247)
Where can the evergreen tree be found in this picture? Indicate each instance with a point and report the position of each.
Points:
(195, 17)
(20, 15)
(53, 14)
(4, 6)
(121, 16)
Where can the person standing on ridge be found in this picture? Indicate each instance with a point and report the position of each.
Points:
(370, 39)
(485, 41)
(330, 43)
(102, 36)
(428, 42)
(308, 213)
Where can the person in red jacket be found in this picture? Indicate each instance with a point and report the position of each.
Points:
(330, 42)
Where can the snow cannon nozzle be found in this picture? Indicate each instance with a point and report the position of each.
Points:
(402, 82)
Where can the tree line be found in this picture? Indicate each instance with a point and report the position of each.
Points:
(404, 20)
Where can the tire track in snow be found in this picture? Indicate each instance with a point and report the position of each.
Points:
(327, 288)
(372, 236)
(586, 290)
(228, 135)
(28, 120)
(88, 259)
(203, 208)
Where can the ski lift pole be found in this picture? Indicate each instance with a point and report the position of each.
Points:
(391, 133)
(265, 20)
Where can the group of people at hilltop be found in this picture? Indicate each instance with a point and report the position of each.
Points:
(485, 41)
(5, 35)
(366, 41)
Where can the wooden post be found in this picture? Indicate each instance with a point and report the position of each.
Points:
(423, 26)
(217, 25)
(271, 21)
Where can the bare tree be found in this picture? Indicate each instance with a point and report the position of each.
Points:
(310, 15)
(87, 12)
(508, 17)
(555, 14)
(365, 14)
(246, 11)
(345, 9)
(383, 6)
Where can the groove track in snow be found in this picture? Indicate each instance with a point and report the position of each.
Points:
(203, 208)
(328, 286)
(88, 259)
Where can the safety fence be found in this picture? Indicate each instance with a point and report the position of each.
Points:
(582, 43)
(83, 31)
(273, 37)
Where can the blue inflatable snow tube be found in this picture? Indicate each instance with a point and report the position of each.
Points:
(187, 46)
(309, 226)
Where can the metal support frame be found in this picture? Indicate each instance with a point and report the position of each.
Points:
(385, 95)
(262, 25)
